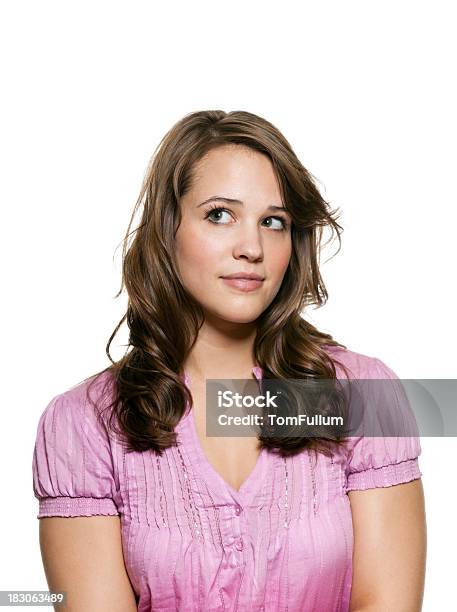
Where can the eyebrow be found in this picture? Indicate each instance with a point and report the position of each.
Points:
(235, 201)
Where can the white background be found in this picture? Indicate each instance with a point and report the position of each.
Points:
(364, 92)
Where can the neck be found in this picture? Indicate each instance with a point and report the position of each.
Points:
(222, 353)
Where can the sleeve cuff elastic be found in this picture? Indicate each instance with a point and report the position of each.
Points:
(384, 476)
(76, 506)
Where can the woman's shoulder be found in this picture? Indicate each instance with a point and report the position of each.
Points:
(359, 365)
(97, 388)
(81, 402)
(73, 469)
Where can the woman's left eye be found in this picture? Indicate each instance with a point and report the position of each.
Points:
(213, 211)
(283, 223)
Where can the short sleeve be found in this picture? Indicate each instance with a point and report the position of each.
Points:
(382, 461)
(72, 462)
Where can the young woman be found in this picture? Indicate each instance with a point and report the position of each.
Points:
(139, 508)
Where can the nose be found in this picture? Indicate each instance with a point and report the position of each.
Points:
(248, 242)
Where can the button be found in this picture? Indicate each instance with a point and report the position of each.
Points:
(239, 544)
(237, 510)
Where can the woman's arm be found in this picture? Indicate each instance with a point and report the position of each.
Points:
(389, 548)
(83, 556)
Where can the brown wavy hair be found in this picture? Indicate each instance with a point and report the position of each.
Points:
(149, 393)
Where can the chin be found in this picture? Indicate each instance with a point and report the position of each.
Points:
(237, 315)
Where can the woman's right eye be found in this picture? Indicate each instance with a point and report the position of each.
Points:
(213, 211)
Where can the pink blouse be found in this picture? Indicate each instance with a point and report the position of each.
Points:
(190, 541)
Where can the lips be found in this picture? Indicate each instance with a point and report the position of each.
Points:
(243, 282)
(245, 276)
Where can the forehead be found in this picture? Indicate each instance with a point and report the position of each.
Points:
(236, 170)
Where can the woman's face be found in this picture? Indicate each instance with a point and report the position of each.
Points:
(221, 237)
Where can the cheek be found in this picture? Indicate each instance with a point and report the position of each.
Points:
(280, 258)
(196, 251)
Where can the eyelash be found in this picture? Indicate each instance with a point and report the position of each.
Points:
(215, 207)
